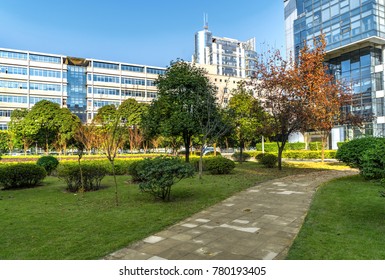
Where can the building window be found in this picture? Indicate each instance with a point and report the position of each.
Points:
(379, 81)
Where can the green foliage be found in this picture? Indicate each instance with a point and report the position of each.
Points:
(185, 96)
(219, 165)
(92, 173)
(352, 152)
(273, 148)
(373, 162)
(49, 163)
(315, 146)
(133, 170)
(4, 140)
(21, 175)
(237, 157)
(159, 174)
(269, 160)
(303, 154)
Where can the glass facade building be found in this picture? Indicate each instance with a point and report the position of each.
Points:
(355, 35)
(82, 85)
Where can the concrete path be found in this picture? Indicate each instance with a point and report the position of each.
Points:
(259, 223)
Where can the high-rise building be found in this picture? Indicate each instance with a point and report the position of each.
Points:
(355, 35)
(82, 85)
(231, 57)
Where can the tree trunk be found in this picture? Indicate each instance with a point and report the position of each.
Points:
(187, 140)
(201, 163)
(280, 150)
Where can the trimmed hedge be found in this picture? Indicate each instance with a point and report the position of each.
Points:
(92, 173)
(304, 154)
(273, 148)
(21, 175)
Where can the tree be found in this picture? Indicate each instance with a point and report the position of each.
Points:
(325, 95)
(131, 113)
(68, 124)
(112, 135)
(183, 93)
(275, 82)
(18, 128)
(42, 124)
(247, 116)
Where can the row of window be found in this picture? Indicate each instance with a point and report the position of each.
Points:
(132, 68)
(125, 92)
(23, 99)
(116, 80)
(5, 113)
(32, 86)
(13, 70)
(3, 126)
(101, 103)
(33, 57)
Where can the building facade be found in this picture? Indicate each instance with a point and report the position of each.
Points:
(82, 85)
(230, 57)
(355, 35)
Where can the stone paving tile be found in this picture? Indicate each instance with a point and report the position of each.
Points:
(258, 223)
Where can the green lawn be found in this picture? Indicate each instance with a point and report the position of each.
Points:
(346, 221)
(49, 223)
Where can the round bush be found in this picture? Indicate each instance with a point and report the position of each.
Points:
(269, 160)
(219, 165)
(237, 157)
(21, 175)
(259, 157)
(49, 163)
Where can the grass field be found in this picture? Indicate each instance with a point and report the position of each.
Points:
(49, 223)
(346, 222)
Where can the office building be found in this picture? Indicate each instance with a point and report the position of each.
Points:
(355, 35)
(230, 57)
(82, 85)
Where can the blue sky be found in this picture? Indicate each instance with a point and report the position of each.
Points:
(151, 32)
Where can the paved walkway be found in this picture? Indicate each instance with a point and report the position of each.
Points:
(258, 223)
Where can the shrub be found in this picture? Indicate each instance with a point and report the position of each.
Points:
(373, 162)
(315, 146)
(219, 165)
(269, 160)
(157, 175)
(92, 173)
(49, 163)
(352, 152)
(21, 175)
(295, 146)
(133, 170)
(269, 147)
(237, 157)
(308, 154)
(259, 157)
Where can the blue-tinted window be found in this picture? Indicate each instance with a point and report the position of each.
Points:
(13, 55)
(44, 73)
(44, 58)
(13, 84)
(13, 70)
(132, 68)
(106, 79)
(13, 99)
(106, 65)
(156, 71)
(45, 87)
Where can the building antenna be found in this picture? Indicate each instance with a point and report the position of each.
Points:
(206, 21)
